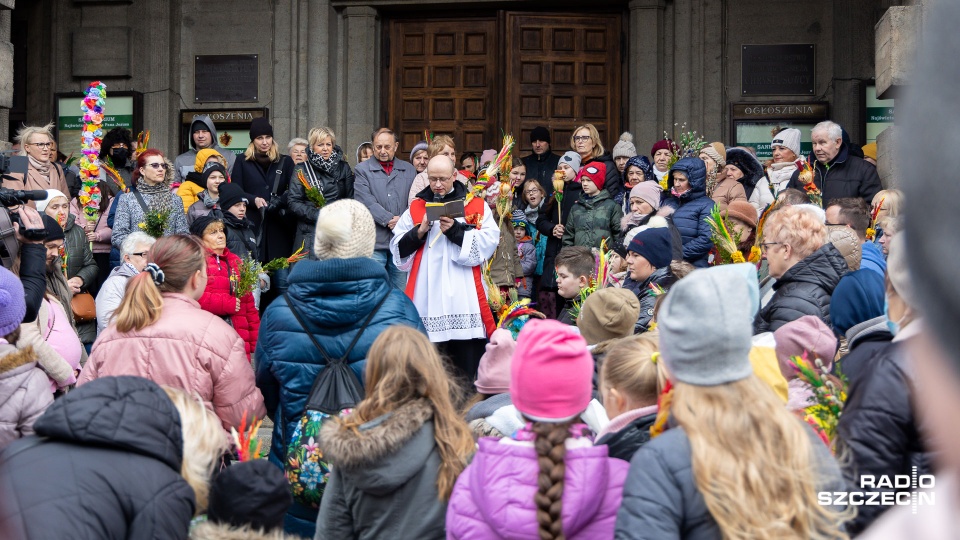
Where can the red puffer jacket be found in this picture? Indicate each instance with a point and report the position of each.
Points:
(218, 298)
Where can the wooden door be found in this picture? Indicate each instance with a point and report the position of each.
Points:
(442, 77)
(563, 71)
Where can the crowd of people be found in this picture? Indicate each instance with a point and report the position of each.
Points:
(692, 343)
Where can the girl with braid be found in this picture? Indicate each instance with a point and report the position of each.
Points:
(546, 481)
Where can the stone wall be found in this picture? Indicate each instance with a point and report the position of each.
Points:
(6, 71)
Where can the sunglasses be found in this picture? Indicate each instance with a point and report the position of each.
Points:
(158, 165)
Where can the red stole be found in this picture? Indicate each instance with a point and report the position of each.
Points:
(474, 216)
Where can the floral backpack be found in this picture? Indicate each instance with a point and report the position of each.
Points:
(334, 392)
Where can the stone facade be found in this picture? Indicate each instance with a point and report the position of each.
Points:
(321, 61)
(6, 71)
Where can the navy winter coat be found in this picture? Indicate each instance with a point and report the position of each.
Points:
(693, 208)
(334, 297)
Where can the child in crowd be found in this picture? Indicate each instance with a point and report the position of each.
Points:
(518, 175)
(608, 314)
(810, 337)
(247, 501)
(527, 253)
(533, 200)
(617, 264)
(575, 266)
(650, 275)
(394, 460)
(644, 203)
(492, 413)
(548, 480)
(630, 382)
(242, 234)
(212, 177)
(550, 223)
(595, 216)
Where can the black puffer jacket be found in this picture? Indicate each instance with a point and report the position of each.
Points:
(865, 342)
(879, 429)
(109, 467)
(241, 236)
(662, 277)
(336, 185)
(624, 444)
(804, 289)
(547, 220)
(847, 176)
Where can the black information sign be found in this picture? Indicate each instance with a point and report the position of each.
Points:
(226, 78)
(778, 70)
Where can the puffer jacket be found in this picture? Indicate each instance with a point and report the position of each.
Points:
(494, 417)
(209, 530)
(380, 472)
(108, 468)
(804, 289)
(335, 185)
(334, 297)
(24, 393)
(846, 176)
(865, 342)
(187, 348)
(218, 298)
(190, 190)
(663, 278)
(495, 495)
(241, 236)
(550, 217)
(204, 204)
(623, 442)
(879, 428)
(661, 499)
(613, 183)
(592, 219)
(691, 210)
(727, 191)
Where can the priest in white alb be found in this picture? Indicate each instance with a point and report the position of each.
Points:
(444, 258)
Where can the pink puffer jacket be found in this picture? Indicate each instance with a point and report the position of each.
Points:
(494, 496)
(187, 348)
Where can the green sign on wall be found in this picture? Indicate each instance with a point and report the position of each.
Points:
(118, 113)
(879, 114)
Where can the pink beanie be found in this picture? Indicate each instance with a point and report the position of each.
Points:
(806, 334)
(551, 373)
(493, 376)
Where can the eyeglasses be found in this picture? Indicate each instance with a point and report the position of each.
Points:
(433, 180)
(158, 165)
(42, 144)
(764, 245)
(581, 138)
(141, 254)
(532, 191)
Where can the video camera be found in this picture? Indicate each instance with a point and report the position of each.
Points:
(14, 197)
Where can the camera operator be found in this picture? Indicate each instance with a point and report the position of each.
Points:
(32, 261)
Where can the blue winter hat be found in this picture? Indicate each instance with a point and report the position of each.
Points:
(642, 163)
(858, 298)
(13, 305)
(654, 245)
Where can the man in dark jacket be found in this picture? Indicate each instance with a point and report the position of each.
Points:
(542, 162)
(837, 172)
(106, 465)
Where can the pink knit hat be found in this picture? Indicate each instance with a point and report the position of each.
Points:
(551, 373)
(806, 334)
(493, 376)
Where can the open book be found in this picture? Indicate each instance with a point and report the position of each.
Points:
(451, 209)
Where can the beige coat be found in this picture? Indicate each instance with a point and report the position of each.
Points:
(727, 191)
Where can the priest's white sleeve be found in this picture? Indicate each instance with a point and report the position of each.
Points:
(403, 227)
(479, 244)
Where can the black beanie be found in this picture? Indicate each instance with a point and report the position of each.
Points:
(210, 169)
(202, 222)
(540, 133)
(253, 493)
(54, 230)
(231, 194)
(260, 126)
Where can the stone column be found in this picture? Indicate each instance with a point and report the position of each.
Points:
(645, 70)
(314, 64)
(6, 72)
(156, 45)
(359, 106)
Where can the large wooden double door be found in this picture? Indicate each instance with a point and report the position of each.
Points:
(473, 77)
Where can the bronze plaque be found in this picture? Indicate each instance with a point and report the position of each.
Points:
(226, 78)
(778, 70)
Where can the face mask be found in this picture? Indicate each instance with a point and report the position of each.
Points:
(119, 156)
(892, 326)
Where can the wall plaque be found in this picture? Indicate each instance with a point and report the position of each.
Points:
(226, 78)
(778, 70)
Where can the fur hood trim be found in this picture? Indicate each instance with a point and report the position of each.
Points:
(209, 530)
(380, 437)
(17, 358)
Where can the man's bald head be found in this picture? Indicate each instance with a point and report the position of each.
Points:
(441, 174)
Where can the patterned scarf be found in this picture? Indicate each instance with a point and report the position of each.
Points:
(161, 200)
(325, 165)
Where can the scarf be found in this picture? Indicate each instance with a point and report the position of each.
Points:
(41, 174)
(325, 165)
(387, 166)
(57, 287)
(160, 196)
(209, 201)
(262, 159)
(711, 183)
(39, 166)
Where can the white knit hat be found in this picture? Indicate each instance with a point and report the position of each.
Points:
(789, 139)
(345, 230)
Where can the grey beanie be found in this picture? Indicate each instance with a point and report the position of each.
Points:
(572, 159)
(706, 327)
(624, 147)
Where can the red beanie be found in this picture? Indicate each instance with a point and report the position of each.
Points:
(662, 144)
(595, 171)
(551, 372)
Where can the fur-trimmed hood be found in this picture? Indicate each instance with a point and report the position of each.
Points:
(384, 453)
(209, 530)
(11, 358)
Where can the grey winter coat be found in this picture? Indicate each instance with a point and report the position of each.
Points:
(379, 474)
(111, 293)
(384, 195)
(661, 499)
(186, 161)
(24, 393)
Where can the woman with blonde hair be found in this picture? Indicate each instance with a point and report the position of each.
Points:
(737, 464)
(325, 170)
(585, 141)
(396, 458)
(161, 333)
(807, 268)
(439, 145)
(120, 457)
(43, 172)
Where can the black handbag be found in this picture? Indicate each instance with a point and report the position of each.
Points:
(336, 386)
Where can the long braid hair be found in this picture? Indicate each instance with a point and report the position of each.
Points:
(551, 453)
